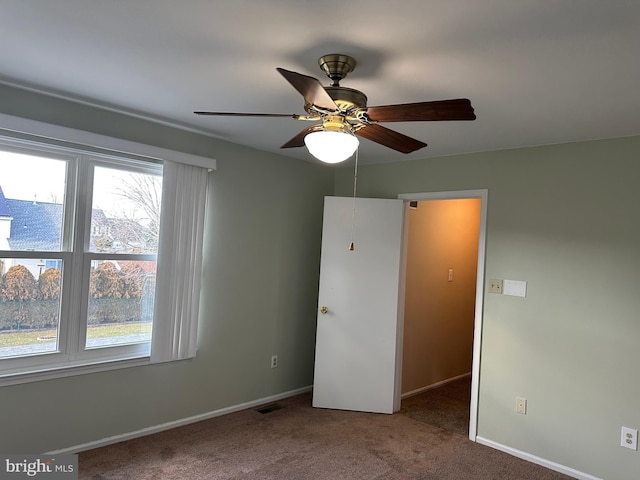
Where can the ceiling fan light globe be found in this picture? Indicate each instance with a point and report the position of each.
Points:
(331, 146)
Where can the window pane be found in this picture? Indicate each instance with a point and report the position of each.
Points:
(29, 306)
(31, 202)
(126, 211)
(121, 295)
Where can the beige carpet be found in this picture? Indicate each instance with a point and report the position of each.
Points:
(298, 442)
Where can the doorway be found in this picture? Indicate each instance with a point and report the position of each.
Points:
(444, 293)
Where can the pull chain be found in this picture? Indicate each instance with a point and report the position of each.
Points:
(352, 245)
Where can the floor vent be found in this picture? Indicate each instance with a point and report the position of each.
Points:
(269, 408)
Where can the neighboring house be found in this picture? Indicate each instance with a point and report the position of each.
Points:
(30, 225)
(119, 235)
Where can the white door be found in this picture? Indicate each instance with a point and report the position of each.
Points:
(359, 338)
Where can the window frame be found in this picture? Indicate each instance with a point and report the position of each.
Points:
(71, 356)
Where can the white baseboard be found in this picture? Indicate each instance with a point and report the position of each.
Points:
(434, 385)
(179, 423)
(537, 460)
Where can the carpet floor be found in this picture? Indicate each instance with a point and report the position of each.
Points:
(427, 440)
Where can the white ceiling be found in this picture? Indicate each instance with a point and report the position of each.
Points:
(537, 72)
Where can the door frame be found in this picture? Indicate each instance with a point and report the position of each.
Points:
(483, 195)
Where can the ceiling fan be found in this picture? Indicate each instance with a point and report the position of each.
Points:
(344, 114)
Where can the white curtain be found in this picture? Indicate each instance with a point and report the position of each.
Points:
(179, 272)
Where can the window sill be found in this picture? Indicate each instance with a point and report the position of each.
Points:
(52, 372)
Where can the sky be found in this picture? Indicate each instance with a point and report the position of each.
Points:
(46, 177)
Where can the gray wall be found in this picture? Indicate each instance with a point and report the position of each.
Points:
(566, 219)
(262, 248)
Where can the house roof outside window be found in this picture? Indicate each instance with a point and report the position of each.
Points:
(35, 225)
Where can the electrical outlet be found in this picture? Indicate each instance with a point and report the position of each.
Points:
(495, 286)
(521, 405)
(274, 361)
(629, 438)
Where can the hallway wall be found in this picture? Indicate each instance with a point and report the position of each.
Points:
(439, 314)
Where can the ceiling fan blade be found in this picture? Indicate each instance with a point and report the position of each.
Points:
(235, 114)
(310, 88)
(298, 140)
(390, 138)
(458, 109)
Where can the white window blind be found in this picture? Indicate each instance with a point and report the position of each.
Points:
(184, 191)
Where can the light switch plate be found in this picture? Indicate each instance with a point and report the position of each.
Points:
(495, 286)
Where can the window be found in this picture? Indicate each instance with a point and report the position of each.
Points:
(122, 251)
(30, 237)
(79, 256)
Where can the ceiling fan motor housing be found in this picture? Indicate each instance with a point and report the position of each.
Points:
(347, 97)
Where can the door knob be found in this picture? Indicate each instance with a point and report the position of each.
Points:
(323, 310)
